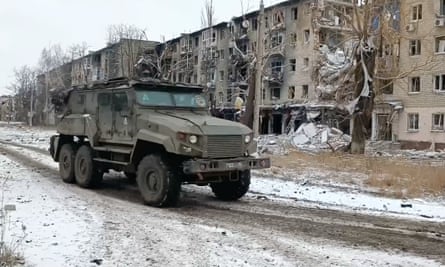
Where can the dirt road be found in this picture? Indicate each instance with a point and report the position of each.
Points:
(255, 231)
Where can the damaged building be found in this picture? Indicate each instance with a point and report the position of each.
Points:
(415, 108)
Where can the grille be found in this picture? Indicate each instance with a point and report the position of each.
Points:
(224, 146)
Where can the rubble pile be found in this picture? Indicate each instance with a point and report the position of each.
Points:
(309, 137)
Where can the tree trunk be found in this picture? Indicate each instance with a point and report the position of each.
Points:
(247, 118)
(362, 117)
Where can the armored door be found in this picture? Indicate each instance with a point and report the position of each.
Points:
(123, 122)
(104, 116)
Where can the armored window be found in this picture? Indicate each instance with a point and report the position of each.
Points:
(120, 102)
(104, 99)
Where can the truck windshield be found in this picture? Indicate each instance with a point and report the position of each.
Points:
(171, 99)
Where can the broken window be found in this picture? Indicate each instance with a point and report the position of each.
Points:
(196, 41)
(278, 17)
(293, 64)
(229, 95)
(439, 84)
(442, 7)
(276, 40)
(222, 34)
(254, 24)
(440, 44)
(438, 123)
(231, 51)
(263, 93)
(266, 22)
(416, 12)
(293, 38)
(213, 37)
(275, 93)
(291, 92)
(414, 84)
(295, 13)
(387, 87)
(221, 75)
(306, 62)
(276, 66)
(305, 91)
(307, 36)
(413, 121)
(195, 60)
(414, 47)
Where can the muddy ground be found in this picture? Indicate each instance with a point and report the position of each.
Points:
(253, 231)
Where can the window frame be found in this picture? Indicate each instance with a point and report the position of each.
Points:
(441, 125)
(413, 126)
(439, 83)
(415, 80)
(415, 47)
(415, 14)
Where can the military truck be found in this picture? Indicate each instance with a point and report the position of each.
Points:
(159, 134)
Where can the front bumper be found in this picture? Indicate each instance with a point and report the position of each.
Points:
(223, 165)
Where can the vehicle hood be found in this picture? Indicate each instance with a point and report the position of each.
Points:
(196, 123)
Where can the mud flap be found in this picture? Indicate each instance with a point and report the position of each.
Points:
(54, 147)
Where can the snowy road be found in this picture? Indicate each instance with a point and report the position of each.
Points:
(70, 226)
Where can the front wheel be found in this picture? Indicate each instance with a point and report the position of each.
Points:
(86, 172)
(158, 184)
(232, 190)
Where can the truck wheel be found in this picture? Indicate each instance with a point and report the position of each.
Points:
(66, 163)
(86, 173)
(229, 190)
(157, 183)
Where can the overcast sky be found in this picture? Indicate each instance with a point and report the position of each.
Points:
(27, 26)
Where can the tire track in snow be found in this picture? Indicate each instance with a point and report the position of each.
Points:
(261, 218)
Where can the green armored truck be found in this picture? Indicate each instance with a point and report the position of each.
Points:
(159, 134)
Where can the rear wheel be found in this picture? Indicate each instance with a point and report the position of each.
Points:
(232, 190)
(86, 172)
(66, 163)
(158, 184)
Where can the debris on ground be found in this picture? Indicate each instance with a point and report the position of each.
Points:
(308, 137)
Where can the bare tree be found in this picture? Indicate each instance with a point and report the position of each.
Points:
(132, 45)
(357, 80)
(24, 87)
(208, 14)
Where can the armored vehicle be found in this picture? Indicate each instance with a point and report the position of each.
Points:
(159, 134)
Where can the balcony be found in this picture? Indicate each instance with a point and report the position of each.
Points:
(274, 77)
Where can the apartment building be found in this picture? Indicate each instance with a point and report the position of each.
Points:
(416, 109)
(222, 59)
(113, 61)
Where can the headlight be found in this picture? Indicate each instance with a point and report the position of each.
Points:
(193, 139)
(247, 139)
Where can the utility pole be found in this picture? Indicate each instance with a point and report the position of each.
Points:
(258, 72)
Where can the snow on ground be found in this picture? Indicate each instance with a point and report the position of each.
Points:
(69, 226)
(356, 200)
(306, 186)
(53, 235)
(25, 135)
